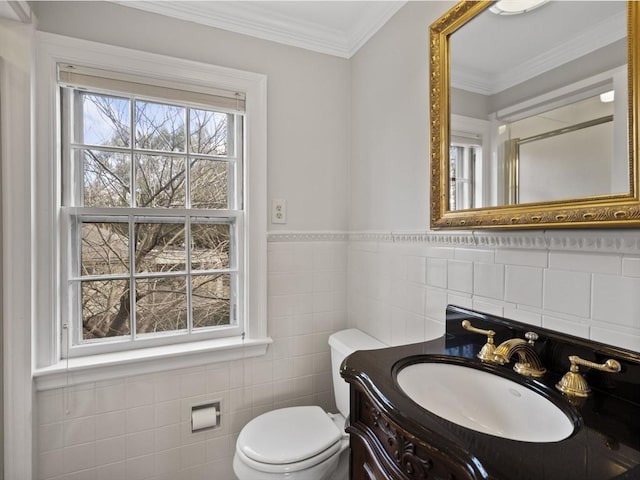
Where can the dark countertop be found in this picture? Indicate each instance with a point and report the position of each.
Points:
(604, 446)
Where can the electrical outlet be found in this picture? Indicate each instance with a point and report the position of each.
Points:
(278, 210)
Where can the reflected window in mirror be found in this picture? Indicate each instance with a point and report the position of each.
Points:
(465, 160)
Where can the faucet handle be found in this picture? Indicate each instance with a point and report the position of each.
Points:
(466, 324)
(611, 365)
(574, 384)
(487, 351)
(531, 337)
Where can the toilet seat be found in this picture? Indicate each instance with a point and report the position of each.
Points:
(290, 467)
(289, 440)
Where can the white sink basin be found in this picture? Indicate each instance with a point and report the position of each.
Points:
(484, 402)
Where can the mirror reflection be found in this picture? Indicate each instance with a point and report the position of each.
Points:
(538, 105)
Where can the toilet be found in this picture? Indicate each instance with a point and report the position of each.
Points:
(303, 443)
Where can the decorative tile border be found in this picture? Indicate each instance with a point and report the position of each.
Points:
(606, 242)
(277, 237)
(596, 241)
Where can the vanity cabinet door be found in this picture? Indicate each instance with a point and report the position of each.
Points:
(364, 464)
(383, 450)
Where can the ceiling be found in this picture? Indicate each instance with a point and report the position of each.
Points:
(337, 28)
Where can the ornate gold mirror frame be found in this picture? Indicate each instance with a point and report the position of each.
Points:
(597, 211)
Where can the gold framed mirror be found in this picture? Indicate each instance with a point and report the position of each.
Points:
(526, 138)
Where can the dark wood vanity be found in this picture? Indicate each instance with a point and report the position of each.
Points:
(392, 437)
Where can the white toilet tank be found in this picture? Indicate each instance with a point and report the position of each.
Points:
(344, 343)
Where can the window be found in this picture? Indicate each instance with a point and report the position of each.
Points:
(179, 270)
(463, 161)
(152, 208)
(469, 166)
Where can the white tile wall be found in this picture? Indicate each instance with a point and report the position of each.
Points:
(622, 337)
(139, 427)
(572, 326)
(526, 258)
(567, 292)
(487, 305)
(521, 315)
(591, 295)
(460, 275)
(488, 280)
(616, 299)
(437, 272)
(631, 266)
(523, 285)
(585, 262)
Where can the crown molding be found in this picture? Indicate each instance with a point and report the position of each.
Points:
(17, 10)
(604, 33)
(471, 80)
(258, 21)
(372, 21)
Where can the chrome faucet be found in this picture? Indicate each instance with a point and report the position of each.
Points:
(528, 363)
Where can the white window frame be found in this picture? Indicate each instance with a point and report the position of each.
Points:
(51, 369)
(73, 214)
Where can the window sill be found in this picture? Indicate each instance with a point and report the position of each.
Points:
(108, 366)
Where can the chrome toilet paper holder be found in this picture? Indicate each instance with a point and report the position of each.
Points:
(205, 416)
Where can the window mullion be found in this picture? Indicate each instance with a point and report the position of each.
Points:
(66, 313)
(238, 167)
(187, 223)
(133, 203)
(189, 277)
(146, 151)
(132, 278)
(74, 325)
(187, 167)
(132, 140)
(149, 213)
(76, 161)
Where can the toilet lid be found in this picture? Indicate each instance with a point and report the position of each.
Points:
(288, 435)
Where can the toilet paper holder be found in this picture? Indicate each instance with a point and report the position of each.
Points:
(205, 416)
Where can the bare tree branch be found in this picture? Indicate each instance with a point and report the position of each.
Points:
(160, 181)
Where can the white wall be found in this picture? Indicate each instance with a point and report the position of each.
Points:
(399, 284)
(575, 164)
(388, 176)
(308, 98)
(16, 42)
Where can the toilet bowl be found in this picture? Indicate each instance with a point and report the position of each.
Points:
(303, 443)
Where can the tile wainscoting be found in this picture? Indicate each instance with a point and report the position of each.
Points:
(394, 286)
(584, 283)
(139, 427)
